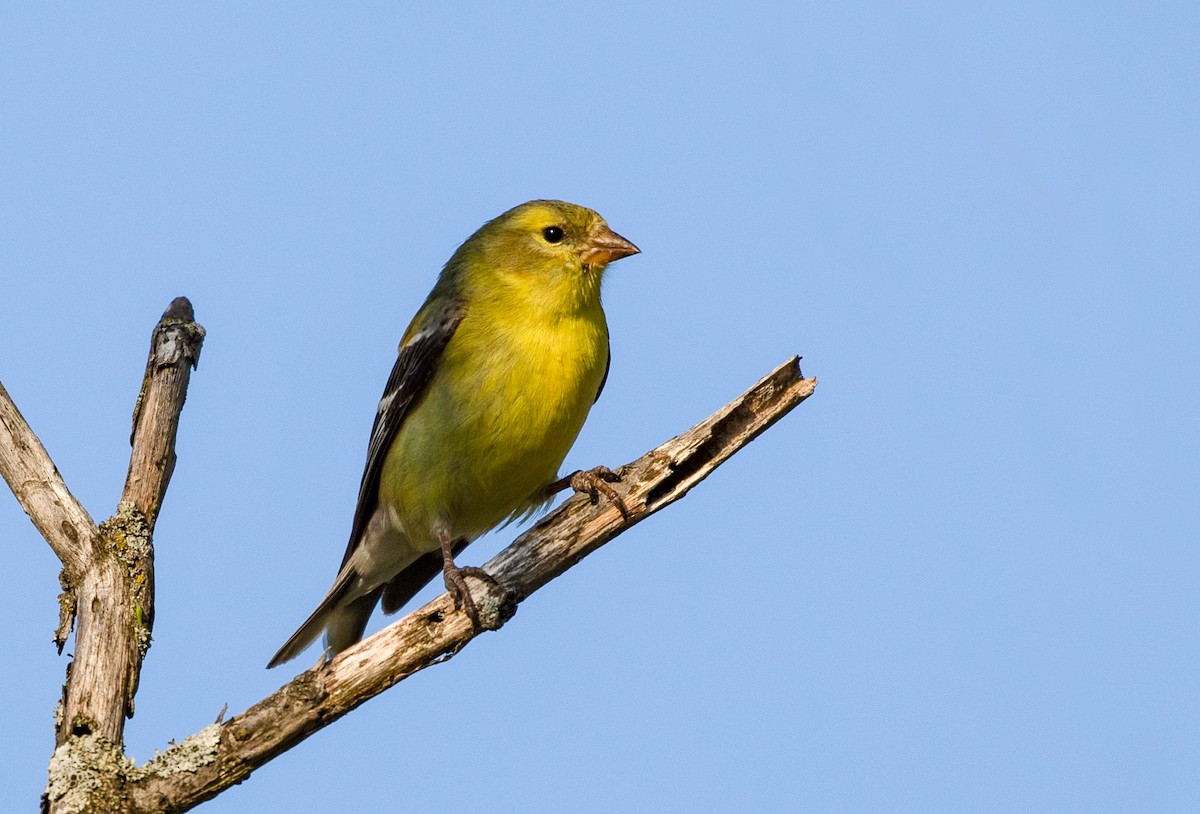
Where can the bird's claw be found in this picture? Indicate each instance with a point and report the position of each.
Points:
(456, 584)
(595, 482)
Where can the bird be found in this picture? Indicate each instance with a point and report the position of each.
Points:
(492, 382)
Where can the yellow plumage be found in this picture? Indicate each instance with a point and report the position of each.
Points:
(495, 377)
(509, 422)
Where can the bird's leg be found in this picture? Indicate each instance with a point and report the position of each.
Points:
(456, 584)
(593, 483)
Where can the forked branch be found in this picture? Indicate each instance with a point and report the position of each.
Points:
(109, 570)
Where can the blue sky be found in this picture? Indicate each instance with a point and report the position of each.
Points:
(961, 577)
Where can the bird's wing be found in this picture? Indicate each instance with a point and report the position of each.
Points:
(607, 367)
(415, 365)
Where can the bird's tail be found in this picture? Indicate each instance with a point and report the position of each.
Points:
(342, 618)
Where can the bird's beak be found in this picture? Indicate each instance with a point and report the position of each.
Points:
(604, 246)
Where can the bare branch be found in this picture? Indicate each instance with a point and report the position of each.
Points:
(115, 597)
(223, 755)
(40, 490)
(174, 352)
(112, 586)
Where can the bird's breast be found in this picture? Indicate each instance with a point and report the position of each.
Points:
(499, 416)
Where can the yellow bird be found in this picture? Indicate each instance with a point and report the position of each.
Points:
(494, 378)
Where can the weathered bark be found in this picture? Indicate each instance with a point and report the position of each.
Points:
(174, 353)
(40, 490)
(115, 596)
(108, 571)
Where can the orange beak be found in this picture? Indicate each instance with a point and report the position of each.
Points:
(604, 246)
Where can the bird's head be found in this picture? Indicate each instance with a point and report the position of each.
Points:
(554, 247)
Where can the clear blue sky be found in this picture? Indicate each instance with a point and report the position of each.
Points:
(962, 577)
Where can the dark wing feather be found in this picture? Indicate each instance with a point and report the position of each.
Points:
(405, 585)
(415, 366)
(607, 367)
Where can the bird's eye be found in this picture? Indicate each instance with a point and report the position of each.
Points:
(553, 234)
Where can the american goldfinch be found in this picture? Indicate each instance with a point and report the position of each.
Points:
(494, 378)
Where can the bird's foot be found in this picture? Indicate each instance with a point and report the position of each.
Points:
(493, 617)
(593, 483)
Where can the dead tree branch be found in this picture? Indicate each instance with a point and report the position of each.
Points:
(108, 574)
(108, 571)
(222, 755)
(40, 490)
(174, 353)
(115, 597)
